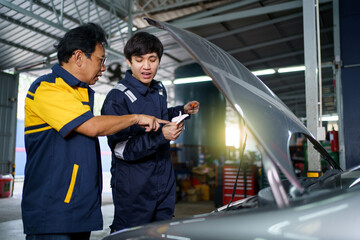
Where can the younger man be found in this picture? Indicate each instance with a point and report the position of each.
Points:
(143, 181)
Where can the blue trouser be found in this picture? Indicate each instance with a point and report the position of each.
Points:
(59, 236)
(130, 214)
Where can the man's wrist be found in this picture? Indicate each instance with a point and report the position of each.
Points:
(136, 118)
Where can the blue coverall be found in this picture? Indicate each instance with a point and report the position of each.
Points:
(143, 181)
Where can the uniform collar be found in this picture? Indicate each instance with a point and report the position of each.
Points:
(68, 77)
(139, 86)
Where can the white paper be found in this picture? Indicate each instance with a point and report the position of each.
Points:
(180, 118)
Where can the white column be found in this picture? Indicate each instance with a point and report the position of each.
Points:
(311, 79)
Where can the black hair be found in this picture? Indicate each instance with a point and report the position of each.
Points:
(142, 43)
(84, 37)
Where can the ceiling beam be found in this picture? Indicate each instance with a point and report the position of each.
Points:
(37, 17)
(253, 26)
(299, 94)
(299, 84)
(242, 14)
(264, 44)
(280, 56)
(120, 7)
(32, 15)
(120, 10)
(6, 42)
(47, 7)
(27, 26)
(216, 10)
(167, 7)
(257, 61)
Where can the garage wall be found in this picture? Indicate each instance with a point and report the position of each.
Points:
(350, 56)
(8, 108)
(205, 131)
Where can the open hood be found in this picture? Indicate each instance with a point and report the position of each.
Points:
(270, 121)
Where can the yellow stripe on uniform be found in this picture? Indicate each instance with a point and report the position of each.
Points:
(72, 183)
(37, 130)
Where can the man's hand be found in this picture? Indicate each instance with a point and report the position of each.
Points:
(172, 131)
(192, 107)
(149, 122)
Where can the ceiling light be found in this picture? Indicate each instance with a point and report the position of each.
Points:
(53, 54)
(330, 118)
(192, 79)
(264, 72)
(166, 82)
(291, 69)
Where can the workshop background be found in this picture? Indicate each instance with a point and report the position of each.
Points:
(269, 37)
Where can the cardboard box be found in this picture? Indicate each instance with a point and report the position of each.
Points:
(203, 173)
(193, 198)
(193, 195)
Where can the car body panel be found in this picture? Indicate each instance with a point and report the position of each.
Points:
(319, 220)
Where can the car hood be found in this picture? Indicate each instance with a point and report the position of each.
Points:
(269, 120)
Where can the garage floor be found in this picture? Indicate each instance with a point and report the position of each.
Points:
(11, 223)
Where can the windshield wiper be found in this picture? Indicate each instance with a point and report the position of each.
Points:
(324, 154)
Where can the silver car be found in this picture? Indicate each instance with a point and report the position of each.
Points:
(291, 207)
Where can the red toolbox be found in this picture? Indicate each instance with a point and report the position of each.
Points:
(229, 178)
(5, 185)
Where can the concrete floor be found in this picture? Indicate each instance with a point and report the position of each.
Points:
(11, 223)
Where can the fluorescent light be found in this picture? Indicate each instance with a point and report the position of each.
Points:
(192, 79)
(291, 69)
(330, 118)
(166, 82)
(53, 54)
(264, 72)
(257, 73)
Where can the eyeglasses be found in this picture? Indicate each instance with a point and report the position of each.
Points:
(103, 60)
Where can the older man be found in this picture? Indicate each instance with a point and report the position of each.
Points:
(62, 188)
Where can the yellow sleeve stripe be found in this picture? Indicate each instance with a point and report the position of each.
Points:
(38, 130)
(72, 183)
